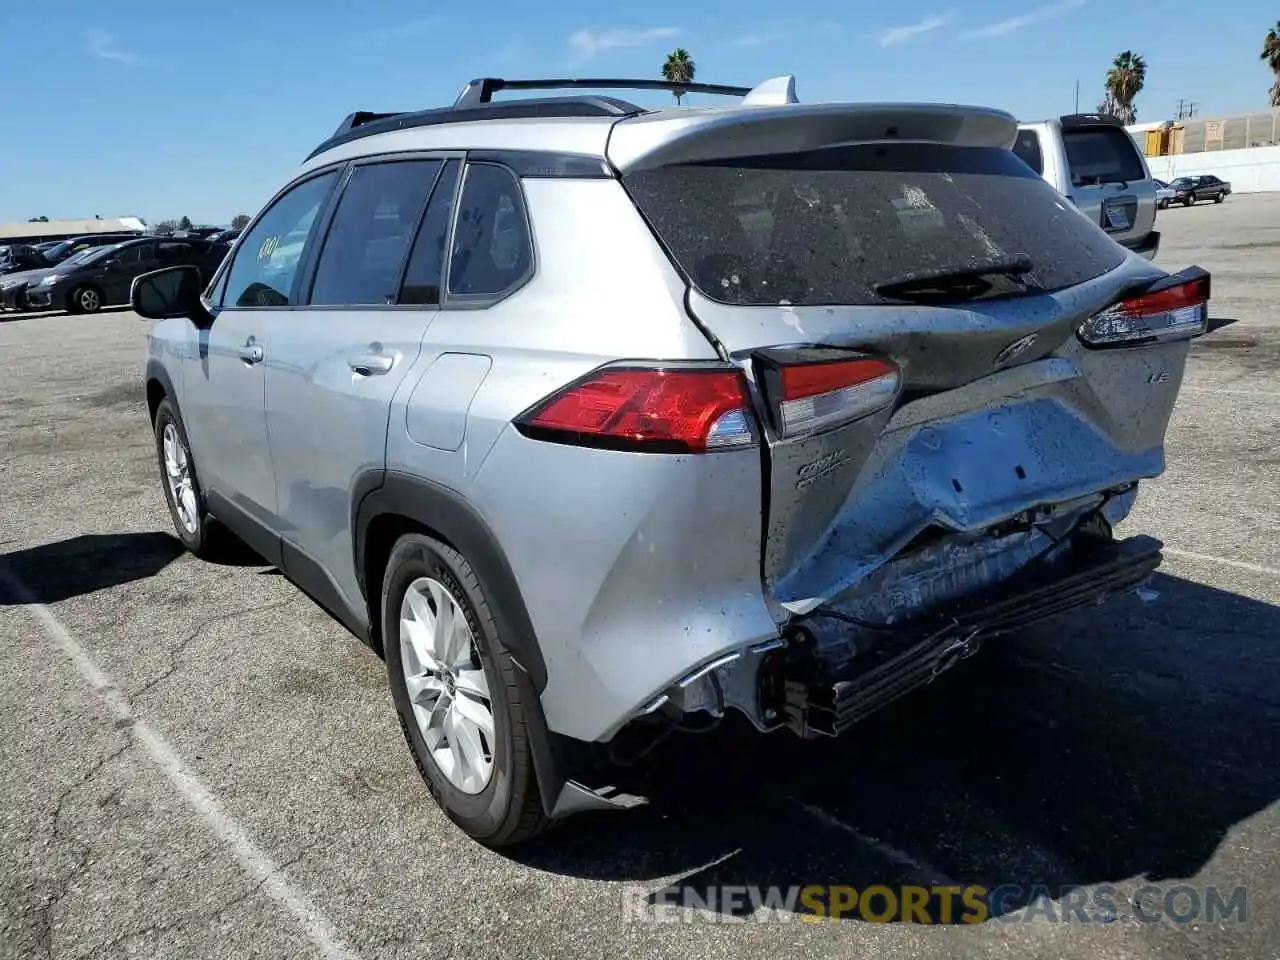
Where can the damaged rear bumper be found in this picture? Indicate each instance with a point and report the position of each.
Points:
(816, 697)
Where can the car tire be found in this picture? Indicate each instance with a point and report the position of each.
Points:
(1190, 199)
(1219, 198)
(181, 487)
(423, 578)
(84, 299)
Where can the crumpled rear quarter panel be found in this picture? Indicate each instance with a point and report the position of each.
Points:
(635, 567)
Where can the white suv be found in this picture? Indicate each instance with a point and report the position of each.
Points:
(1092, 161)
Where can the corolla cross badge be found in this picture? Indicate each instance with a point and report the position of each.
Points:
(1017, 348)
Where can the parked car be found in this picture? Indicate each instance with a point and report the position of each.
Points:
(13, 286)
(1164, 194)
(20, 256)
(1092, 161)
(1188, 190)
(103, 277)
(848, 390)
(65, 248)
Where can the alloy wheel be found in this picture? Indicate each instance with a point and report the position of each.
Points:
(446, 684)
(177, 469)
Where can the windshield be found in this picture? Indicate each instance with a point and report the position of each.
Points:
(831, 226)
(58, 251)
(1182, 182)
(91, 255)
(80, 255)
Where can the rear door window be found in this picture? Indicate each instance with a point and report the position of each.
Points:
(421, 283)
(827, 227)
(1101, 155)
(372, 228)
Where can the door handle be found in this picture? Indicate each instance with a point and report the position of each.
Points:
(251, 352)
(368, 364)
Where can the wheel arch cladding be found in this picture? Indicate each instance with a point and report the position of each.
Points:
(159, 386)
(388, 505)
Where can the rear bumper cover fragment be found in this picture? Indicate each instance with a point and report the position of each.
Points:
(817, 705)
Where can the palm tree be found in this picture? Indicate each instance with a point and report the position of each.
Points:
(1271, 54)
(1124, 81)
(679, 68)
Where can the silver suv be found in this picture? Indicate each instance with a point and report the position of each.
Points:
(1092, 161)
(600, 421)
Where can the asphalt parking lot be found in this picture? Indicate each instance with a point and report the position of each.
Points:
(198, 762)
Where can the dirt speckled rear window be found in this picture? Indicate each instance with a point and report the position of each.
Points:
(827, 226)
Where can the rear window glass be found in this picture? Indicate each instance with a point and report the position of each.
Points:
(1101, 155)
(828, 226)
(1027, 149)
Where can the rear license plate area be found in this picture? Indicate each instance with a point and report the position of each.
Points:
(1118, 215)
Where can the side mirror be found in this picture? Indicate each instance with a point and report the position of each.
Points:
(170, 292)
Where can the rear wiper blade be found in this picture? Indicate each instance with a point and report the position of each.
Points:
(959, 281)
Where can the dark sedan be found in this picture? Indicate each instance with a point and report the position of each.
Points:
(20, 256)
(1189, 190)
(13, 286)
(103, 277)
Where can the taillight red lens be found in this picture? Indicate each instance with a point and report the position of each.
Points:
(655, 410)
(811, 379)
(1185, 295)
(1177, 312)
(819, 396)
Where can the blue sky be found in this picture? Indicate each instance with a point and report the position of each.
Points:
(157, 108)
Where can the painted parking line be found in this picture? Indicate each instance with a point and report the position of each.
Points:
(1214, 391)
(250, 857)
(1224, 561)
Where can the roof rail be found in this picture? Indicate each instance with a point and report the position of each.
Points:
(475, 102)
(359, 119)
(481, 91)
(363, 124)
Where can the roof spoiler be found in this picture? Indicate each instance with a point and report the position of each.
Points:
(662, 139)
(1090, 120)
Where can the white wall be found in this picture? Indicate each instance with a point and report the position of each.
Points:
(1248, 171)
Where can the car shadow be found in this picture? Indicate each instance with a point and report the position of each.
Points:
(84, 564)
(1217, 323)
(224, 549)
(1118, 742)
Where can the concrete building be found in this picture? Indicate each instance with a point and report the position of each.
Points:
(38, 231)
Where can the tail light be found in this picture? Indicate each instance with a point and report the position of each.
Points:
(655, 410)
(1176, 308)
(812, 395)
